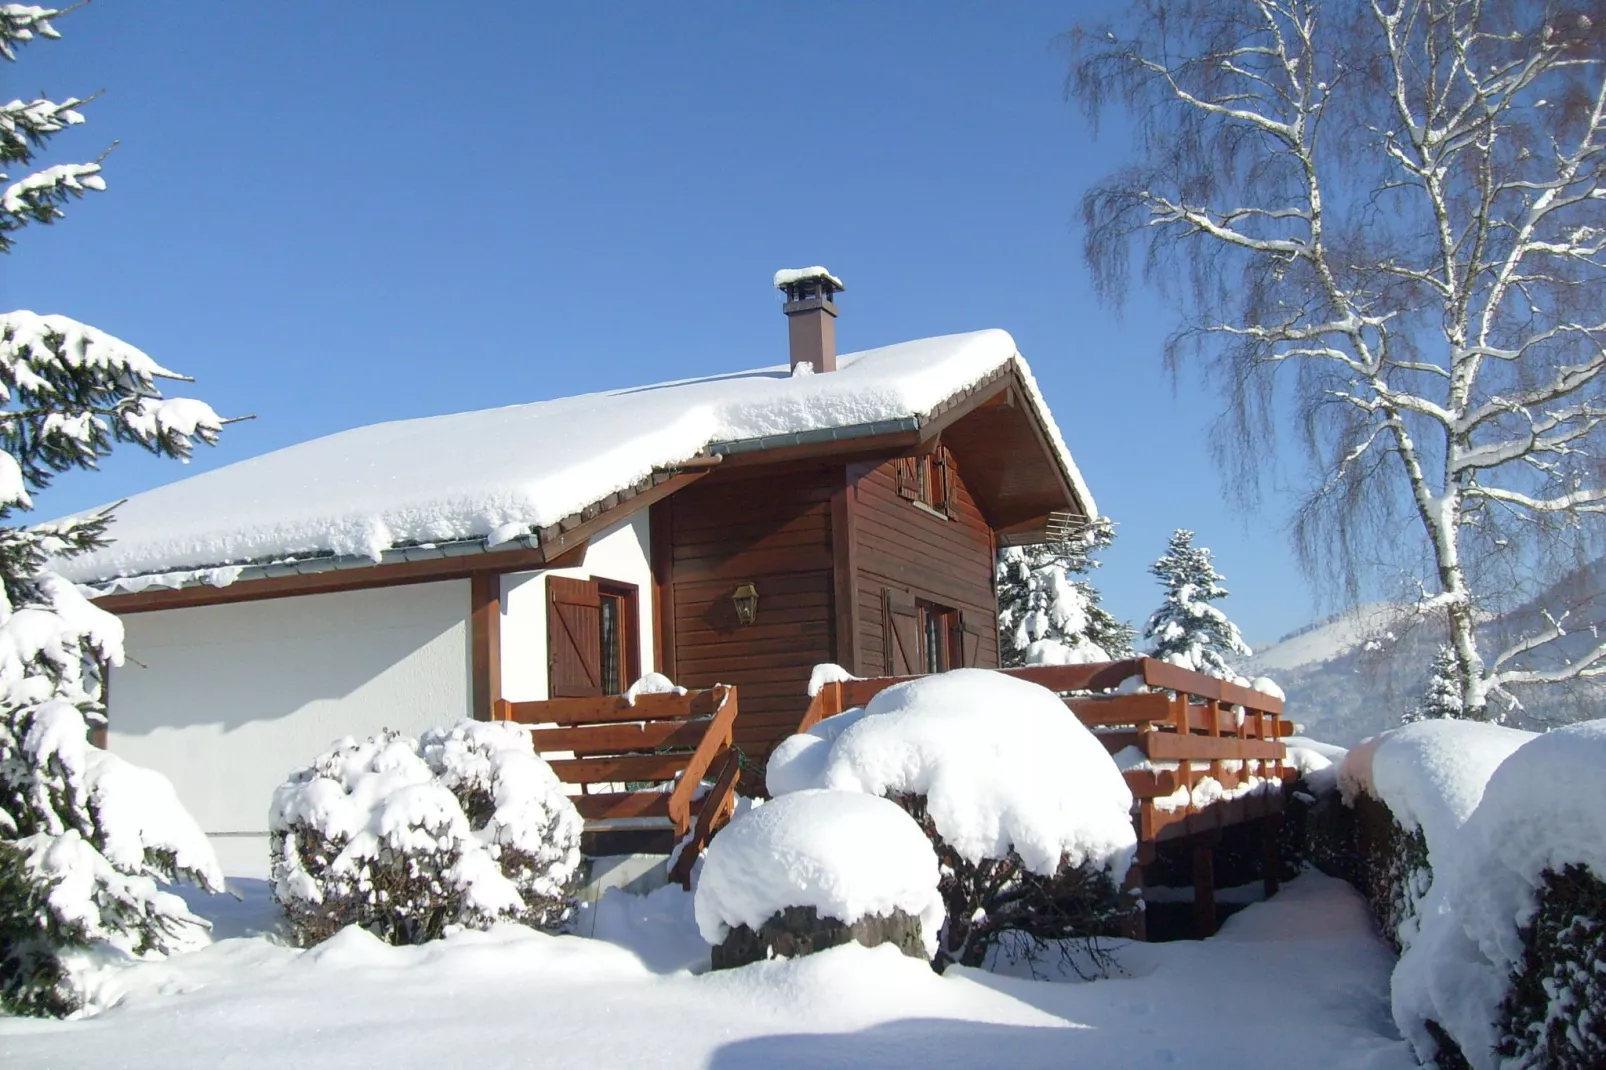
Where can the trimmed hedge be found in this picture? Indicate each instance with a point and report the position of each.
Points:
(1554, 1013)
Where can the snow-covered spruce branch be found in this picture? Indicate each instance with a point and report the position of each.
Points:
(86, 840)
(25, 127)
(20, 23)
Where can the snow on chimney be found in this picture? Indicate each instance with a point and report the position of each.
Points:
(810, 316)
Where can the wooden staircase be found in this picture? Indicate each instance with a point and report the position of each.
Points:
(641, 768)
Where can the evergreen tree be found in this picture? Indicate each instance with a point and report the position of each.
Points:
(1443, 697)
(84, 836)
(1047, 613)
(1187, 630)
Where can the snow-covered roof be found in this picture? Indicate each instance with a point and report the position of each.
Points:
(500, 473)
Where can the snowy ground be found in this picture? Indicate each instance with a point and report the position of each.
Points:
(1299, 979)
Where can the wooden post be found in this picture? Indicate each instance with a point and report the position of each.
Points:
(660, 518)
(1204, 888)
(845, 572)
(485, 642)
(1270, 861)
(1136, 924)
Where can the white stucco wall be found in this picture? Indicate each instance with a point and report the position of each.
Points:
(621, 553)
(225, 700)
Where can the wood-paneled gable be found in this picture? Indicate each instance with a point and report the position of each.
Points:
(947, 560)
(823, 544)
(772, 529)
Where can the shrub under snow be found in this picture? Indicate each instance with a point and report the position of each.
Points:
(1518, 891)
(1030, 817)
(845, 855)
(406, 837)
(1430, 775)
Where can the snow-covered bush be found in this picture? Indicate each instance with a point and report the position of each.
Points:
(406, 837)
(85, 838)
(1047, 613)
(1028, 814)
(1187, 630)
(1429, 777)
(842, 855)
(1508, 958)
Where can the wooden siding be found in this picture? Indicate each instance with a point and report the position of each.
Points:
(900, 545)
(772, 529)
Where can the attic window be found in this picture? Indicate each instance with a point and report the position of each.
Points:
(927, 480)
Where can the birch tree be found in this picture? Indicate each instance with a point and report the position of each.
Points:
(1389, 222)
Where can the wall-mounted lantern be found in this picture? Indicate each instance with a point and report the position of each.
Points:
(746, 601)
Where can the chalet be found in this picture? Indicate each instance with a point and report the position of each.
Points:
(736, 529)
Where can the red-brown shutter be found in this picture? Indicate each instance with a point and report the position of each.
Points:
(902, 632)
(908, 471)
(969, 641)
(942, 464)
(573, 638)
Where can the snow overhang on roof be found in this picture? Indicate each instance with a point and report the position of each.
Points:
(496, 476)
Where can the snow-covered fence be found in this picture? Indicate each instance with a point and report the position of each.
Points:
(643, 759)
(1199, 753)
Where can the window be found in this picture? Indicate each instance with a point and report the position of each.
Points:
(927, 480)
(940, 642)
(925, 637)
(593, 645)
(614, 630)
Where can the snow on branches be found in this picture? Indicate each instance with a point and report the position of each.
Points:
(1187, 630)
(406, 837)
(1443, 696)
(85, 839)
(1047, 614)
(1388, 219)
(25, 126)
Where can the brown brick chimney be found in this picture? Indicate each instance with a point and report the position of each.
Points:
(810, 315)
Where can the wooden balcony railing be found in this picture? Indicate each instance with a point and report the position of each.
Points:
(647, 760)
(1186, 726)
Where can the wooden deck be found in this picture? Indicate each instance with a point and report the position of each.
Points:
(649, 765)
(1186, 727)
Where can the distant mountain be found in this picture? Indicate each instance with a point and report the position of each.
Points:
(1355, 673)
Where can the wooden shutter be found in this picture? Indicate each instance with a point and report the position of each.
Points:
(902, 619)
(968, 654)
(942, 470)
(573, 638)
(908, 470)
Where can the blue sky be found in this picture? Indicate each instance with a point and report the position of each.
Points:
(335, 214)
